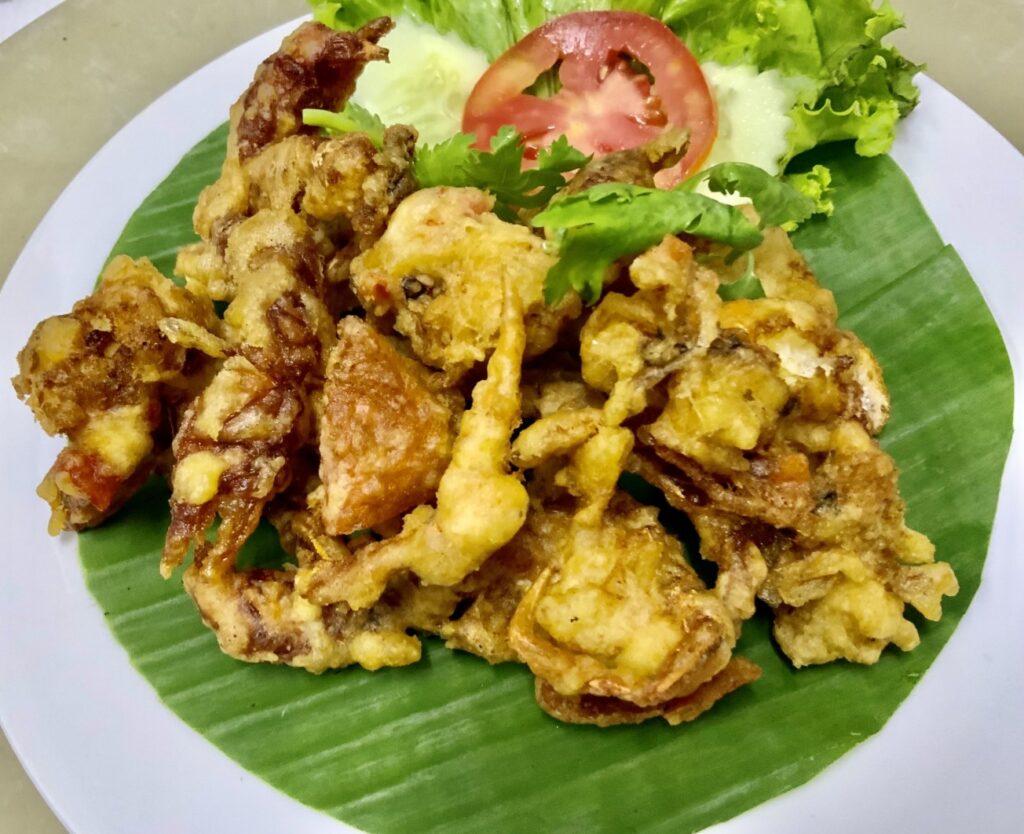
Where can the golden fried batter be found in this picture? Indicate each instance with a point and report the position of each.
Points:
(768, 441)
(499, 586)
(235, 442)
(480, 504)
(258, 617)
(386, 435)
(608, 712)
(438, 273)
(105, 376)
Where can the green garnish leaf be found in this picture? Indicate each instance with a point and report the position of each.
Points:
(456, 162)
(610, 221)
(748, 285)
(815, 184)
(777, 202)
(353, 119)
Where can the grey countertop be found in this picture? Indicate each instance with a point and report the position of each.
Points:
(56, 117)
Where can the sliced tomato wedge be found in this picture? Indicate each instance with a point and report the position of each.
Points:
(606, 102)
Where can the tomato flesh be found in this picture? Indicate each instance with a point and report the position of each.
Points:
(604, 104)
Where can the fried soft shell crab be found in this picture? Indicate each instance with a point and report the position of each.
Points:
(440, 451)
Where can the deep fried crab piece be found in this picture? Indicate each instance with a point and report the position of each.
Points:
(107, 378)
(609, 712)
(437, 273)
(480, 504)
(628, 345)
(622, 615)
(343, 187)
(840, 585)
(315, 67)
(497, 588)
(766, 441)
(386, 433)
(237, 439)
(637, 166)
(258, 617)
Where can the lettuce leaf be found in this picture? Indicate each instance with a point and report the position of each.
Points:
(850, 85)
(610, 221)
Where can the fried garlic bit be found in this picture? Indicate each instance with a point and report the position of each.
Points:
(437, 274)
(767, 441)
(480, 504)
(105, 377)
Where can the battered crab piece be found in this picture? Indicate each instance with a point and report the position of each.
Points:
(258, 617)
(622, 615)
(609, 712)
(386, 434)
(343, 187)
(499, 586)
(315, 67)
(628, 345)
(480, 504)
(106, 377)
(234, 445)
(854, 549)
(437, 273)
(731, 542)
(768, 446)
(720, 407)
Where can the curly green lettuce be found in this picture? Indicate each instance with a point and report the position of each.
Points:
(850, 85)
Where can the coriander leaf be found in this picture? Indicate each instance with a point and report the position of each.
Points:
(748, 285)
(777, 202)
(353, 119)
(610, 221)
(500, 171)
(443, 164)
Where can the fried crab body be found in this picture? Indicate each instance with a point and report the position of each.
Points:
(233, 448)
(258, 617)
(343, 187)
(480, 504)
(437, 275)
(387, 431)
(768, 442)
(107, 378)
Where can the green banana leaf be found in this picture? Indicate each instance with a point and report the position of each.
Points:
(454, 739)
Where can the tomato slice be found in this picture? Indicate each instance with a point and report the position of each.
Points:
(605, 102)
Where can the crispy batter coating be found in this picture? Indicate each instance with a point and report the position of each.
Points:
(107, 378)
(437, 274)
(343, 187)
(315, 67)
(623, 615)
(480, 504)
(608, 712)
(233, 448)
(258, 617)
(386, 435)
(498, 587)
(766, 441)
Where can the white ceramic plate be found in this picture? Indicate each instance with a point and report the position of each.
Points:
(110, 758)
